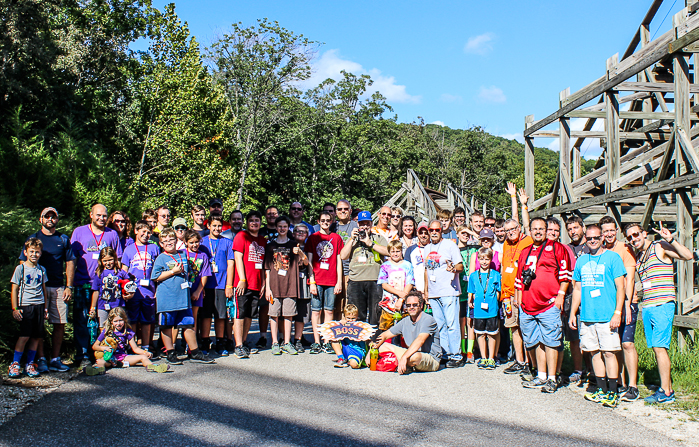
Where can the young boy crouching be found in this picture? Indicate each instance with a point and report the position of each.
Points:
(349, 352)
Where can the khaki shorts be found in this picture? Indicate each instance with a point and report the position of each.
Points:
(598, 337)
(58, 309)
(283, 307)
(511, 320)
(427, 362)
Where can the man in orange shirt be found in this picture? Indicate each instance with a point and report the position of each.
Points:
(627, 357)
(513, 246)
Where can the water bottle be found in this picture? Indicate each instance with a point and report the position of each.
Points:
(93, 328)
(374, 358)
(508, 306)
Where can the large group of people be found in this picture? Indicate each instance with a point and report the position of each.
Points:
(441, 293)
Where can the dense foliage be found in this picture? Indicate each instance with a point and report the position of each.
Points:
(84, 118)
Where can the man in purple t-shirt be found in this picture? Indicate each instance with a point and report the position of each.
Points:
(86, 242)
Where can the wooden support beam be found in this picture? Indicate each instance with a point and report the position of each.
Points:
(665, 87)
(659, 176)
(686, 321)
(564, 149)
(611, 127)
(635, 135)
(528, 160)
(651, 54)
(622, 115)
(617, 196)
(638, 37)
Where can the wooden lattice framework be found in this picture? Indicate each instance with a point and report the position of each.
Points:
(649, 169)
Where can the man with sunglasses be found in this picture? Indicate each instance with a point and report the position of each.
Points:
(56, 251)
(443, 264)
(365, 250)
(383, 227)
(515, 243)
(543, 276)
(344, 225)
(296, 217)
(627, 356)
(216, 207)
(415, 255)
(421, 335)
(330, 209)
(654, 266)
(599, 294)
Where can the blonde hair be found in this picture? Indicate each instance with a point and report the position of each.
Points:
(350, 309)
(116, 312)
(487, 252)
(395, 244)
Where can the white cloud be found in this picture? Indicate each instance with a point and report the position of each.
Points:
(481, 44)
(513, 136)
(446, 97)
(491, 94)
(439, 123)
(330, 64)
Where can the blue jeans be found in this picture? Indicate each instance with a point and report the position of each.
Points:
(81, 309)
(445, 310)
(324, 300)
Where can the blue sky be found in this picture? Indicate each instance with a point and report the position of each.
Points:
(463, 64)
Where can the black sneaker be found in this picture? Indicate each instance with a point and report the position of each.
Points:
(328, 348)
(316, 348)
(173, 359)
(155, 355)
(261, 343)
(199, 357)
(630, 395)
(240, 353)
(514, 368)
(250, 349)
(549, 387)
(299, 347)
(453, 363)
(305, 343)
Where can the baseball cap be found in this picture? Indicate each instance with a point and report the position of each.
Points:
(213, 202)
(179, 222)
(424, 225)
(363, 216)
(486, 233)
(49, 209)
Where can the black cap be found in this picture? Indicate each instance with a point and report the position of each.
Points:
(213, 202)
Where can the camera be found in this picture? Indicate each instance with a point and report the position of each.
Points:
(528, 276)
(362, 234)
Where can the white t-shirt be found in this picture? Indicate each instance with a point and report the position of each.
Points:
(442, 282)
(414, 255)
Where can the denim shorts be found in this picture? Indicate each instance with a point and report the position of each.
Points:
(628, 331)
(657, 324)
(324, 300)
(177, 318)
(545, 328)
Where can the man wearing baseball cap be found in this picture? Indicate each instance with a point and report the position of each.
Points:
(180, 227)
(216, 207)
(365, 250)
(56, 251)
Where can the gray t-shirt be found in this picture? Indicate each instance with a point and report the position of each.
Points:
(345, 231)
(364, 262)
(426, 324)
(441, 282)
(30, 281)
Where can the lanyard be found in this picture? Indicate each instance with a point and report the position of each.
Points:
(145, 257)
(179, 257)
(211, 248)
(513, 252)
(485, 288)
(644, 260)
(95, 238)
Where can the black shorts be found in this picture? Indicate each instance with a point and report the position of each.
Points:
(248, 304)
(302, 310)
(214, 305)
(490, 326)
(32, 324)
(463, 309)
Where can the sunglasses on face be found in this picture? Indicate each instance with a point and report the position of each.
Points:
(216, 206)
(594, 238)
(180, 228)
(343, 209)
(296, 208)
(325, 220)
(411, 305)
(435, 230)
(633, 236)
(118, 221)
(385, 214)
(396, 216)
(489, 225)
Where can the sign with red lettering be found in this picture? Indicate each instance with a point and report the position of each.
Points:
(336, 330)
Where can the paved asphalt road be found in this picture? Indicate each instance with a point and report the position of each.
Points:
(302, 400)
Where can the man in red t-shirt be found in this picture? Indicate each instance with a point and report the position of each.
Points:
(323, 250)
(543, 276)
(249, 280)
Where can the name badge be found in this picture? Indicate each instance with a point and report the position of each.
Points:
(184, 285)
(510, 270)
(95, 255)
(646, 285)
(361, 259)
(484, 306)
(258, 266)
(107, 306)
(595, 293)
(324, 266)
(214, 267)
(144, 282)
(433, 278)
(282, 272)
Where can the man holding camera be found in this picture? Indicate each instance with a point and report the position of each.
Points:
(365, 250)
(543, 277)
